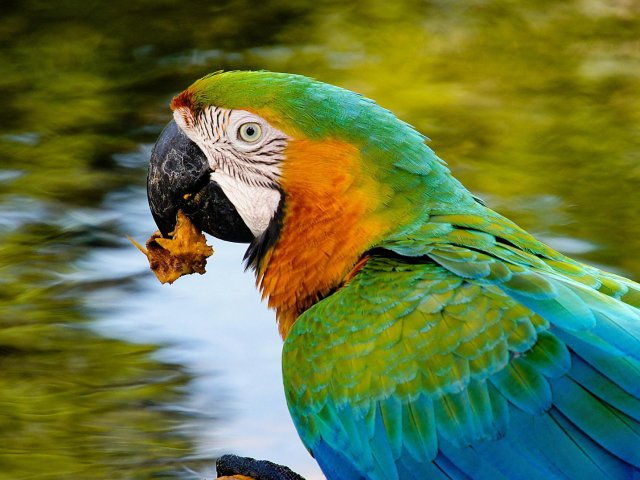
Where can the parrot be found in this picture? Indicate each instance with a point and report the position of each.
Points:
(425, 336)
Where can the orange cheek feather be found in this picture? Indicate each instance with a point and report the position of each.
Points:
(331, 217)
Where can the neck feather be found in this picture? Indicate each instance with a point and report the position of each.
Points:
(330, 217)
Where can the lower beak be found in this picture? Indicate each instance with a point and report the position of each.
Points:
(180, 179)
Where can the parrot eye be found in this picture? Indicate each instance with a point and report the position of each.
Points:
(250, 132)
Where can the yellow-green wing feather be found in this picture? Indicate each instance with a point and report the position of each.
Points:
(456, 363)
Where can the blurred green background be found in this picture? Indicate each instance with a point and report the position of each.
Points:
(534, 105)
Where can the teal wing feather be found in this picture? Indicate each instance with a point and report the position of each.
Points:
(470, 350)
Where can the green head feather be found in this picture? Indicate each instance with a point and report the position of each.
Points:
(317, 109)
(394, 152)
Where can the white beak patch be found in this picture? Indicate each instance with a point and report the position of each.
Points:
(245, 154)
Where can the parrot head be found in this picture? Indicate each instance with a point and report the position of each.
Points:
(311, 175)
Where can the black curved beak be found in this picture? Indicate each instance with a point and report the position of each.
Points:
(180, 179)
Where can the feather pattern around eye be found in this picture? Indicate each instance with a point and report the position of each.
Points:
(254, 164)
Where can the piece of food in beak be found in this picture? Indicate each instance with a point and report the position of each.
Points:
(183, 253)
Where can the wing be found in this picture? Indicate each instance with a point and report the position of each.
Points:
(454, 362)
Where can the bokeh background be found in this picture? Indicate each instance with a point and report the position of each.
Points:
(106, 374)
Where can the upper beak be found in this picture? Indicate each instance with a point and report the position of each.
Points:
(180, 179)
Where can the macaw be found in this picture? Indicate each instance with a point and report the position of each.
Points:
(425, 335)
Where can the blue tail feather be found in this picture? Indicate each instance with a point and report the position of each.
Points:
(610, 466)
(621, 369)
(469, 462)
(604, 388)
(607, 426)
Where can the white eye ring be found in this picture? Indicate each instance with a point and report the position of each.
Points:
(250, 132)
